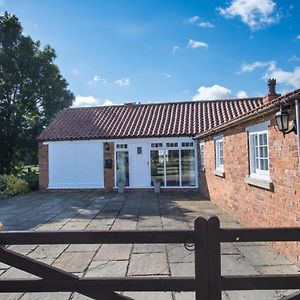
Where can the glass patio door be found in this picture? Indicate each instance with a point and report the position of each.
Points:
(172, 168)
(122, 166)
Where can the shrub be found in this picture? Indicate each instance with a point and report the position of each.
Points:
(32, 180)
(10, 185)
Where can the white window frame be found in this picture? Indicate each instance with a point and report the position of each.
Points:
(256, 171)
(202, 156)
(219, 141)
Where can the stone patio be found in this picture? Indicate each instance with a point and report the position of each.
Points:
(132, 211)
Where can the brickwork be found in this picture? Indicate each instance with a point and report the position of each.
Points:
(109, 173)
(43, 166)
(254, 206)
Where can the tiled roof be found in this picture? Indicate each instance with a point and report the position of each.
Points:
(262, 109)
(145, 120)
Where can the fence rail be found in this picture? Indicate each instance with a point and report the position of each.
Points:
(208, 283)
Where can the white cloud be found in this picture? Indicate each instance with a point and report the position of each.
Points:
(168, 75)
(174, 49)
(254, 13)
(98, 78)
(83, 101)
(196, 44)
(75, 72)
(211, 93)
(193, 20)
(298, 37)
(196, 20)
(107, 102)
(205, 24)
(123, 82)
(284, 77)
(246, 68)
(242, 94)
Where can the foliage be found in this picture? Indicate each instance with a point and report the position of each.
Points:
(10, 185)
(32, 92)
(32, 180)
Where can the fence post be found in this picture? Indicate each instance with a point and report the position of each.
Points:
(201, 259)
(214, 259)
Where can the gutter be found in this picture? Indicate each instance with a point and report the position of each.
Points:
(273, 106)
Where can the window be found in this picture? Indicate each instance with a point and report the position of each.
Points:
(188, 144)
(174, 167)
(202, 159)
(258, 150)
(172, 145)
(139, 150)
(219, 153)
(156, 145)
(121, 146)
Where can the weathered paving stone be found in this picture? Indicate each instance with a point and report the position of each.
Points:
(83, 248)
(236, 265)
(74, 261)
(263, 255)
(13, 273)
(146, 248)
(46, 296)
(10, 296)
(148, 264)
(75, 226)
(177, 253)
(48, 251)
(149, 295)
(113, 252)
(184, 296)
(182, 269)
(110, 268)
(22, 249)
(252, 295)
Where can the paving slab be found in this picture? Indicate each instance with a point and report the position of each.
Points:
(130, 211)
(74, 261)
(148, 264)
(110, 268)
(113, 252)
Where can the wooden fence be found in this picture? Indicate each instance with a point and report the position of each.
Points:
(208, 283)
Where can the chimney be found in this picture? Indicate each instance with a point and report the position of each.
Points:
(272, 91)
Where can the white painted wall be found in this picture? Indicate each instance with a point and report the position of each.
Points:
(76, 164)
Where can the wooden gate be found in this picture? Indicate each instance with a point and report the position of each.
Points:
(208, 283)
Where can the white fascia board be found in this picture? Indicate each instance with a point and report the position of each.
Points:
(259, 127)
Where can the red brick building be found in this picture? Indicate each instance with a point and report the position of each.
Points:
(252, 170)
(229, 150)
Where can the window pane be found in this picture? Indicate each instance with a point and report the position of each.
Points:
(188, 173)
(157, 166)
(265, 151)
(265, 139)
(255, 140)
(172, 167)
(122, 167)
(261, 139)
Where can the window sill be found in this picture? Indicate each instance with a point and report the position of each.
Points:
(266, 184)
(219, 173)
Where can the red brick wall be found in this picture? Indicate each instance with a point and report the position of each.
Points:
(254, 206)
(43, 166)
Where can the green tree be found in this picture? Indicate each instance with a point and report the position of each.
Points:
(32, 92)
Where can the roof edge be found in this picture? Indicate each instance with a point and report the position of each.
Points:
(255, 113)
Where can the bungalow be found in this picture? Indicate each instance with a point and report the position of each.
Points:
(137, 144)
(238, 152)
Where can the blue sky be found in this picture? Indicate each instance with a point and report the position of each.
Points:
(158, 51)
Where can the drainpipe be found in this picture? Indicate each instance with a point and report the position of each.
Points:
(297, 108)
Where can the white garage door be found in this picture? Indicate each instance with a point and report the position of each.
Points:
(76, 164)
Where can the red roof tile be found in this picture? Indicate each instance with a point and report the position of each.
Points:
(145, 120)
